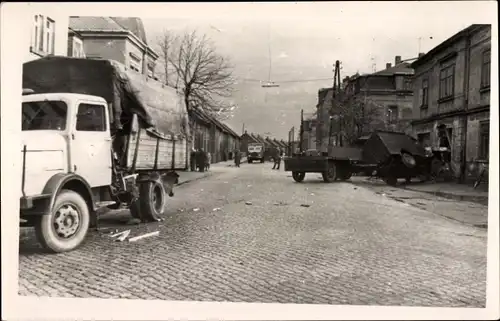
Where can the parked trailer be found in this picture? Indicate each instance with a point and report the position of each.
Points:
(339, 164)
(96, 135)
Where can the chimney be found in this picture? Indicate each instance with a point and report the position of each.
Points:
(388, 65)
(420, 54)
(397, 60)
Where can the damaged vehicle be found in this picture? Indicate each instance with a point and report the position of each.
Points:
(95, 135)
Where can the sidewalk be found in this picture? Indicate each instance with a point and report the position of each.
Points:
(455, 191)
(188, 176)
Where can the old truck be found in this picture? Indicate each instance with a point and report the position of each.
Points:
(385, 154)
(255, 152)
(95, 135)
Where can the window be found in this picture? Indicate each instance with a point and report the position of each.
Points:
(425, 93)
(44, 115)
(135, 62)
(446, 82)
(91, 118)
(77, 48)
(484, 140)
(408, 85)
(486, 69)
(43, 36)
(393, 114)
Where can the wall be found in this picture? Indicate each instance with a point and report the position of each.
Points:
(465, 128)
(60, 32)
(431, 70)
(105, 48)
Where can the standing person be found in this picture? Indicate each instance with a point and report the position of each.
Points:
(237, 157)
(193, 159)
(209, 160)
(277, 159)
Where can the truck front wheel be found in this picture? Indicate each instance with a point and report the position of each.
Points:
(151, 204)
(65, 228)
(298, 176)
(330, 175)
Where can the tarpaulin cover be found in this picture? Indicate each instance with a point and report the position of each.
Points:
(126, 91)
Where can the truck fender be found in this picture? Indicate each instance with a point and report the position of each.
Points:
(68, 181)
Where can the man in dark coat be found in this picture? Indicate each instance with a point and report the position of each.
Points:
(237, 157)
(277, 159)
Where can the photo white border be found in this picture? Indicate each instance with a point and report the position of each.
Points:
(14, 19)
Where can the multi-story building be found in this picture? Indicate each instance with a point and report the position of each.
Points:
(48, 34)
(452, 87)
(381, 100)
(121, 39)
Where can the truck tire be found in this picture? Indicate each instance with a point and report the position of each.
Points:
(298, 176)
(250, 161)
(262, 160)
(330, 175)
(408, 160)
(65, 228)
(391, 180)
(151, 204)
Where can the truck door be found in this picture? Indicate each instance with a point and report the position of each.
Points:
(91, 144)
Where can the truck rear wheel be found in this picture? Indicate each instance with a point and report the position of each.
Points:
(330, 175)
(262, 160)
(65, 228)
(250, 161)
(298, 176)
(151, 204)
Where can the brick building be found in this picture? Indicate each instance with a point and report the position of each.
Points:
(118, 38)
(452, 87)
(381, 100)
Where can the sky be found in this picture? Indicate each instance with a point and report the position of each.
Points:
(305, 39)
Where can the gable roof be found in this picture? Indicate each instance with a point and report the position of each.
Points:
(401, 68)
(273, 143)
(448, 42)
(110, 24)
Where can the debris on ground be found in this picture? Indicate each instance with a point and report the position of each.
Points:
(249, 185)
(140, 237)
(122, 237)
(305, 205)
(216, 209)
(196, 209)
(248, 203)
(280, 203)
(161, 219)
(312, 194)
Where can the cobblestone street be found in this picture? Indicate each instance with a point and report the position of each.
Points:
(252, 234)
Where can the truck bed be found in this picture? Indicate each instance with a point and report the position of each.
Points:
(307, 164)
(171, 154)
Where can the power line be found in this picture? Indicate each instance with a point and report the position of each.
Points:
(286, 81)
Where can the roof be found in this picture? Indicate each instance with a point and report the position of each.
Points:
(209, 119)
(109, 24)
(272, 142)
(448, 42)
(401, 68)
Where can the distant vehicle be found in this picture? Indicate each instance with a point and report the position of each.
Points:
(255, 152)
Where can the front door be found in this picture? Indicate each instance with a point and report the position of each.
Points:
(91, 144)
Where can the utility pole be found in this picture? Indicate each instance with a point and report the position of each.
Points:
(243, 129)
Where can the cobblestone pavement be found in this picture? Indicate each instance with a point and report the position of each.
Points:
(471, 213)
(273, 240)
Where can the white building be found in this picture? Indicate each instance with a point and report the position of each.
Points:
(47, 34)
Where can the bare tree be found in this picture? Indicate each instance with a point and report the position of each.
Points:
(204, 75)
(166, 44)
(355, 115)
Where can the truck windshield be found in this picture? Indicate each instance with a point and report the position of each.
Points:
(44, 115)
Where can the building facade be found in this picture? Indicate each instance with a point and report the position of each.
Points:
(379, 101)
(116, 38)
(452, 87)
(48, 34)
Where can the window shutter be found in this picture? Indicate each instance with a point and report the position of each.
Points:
(420, 97)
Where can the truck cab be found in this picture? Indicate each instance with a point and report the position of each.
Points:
(66, 157)
(255, 152)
